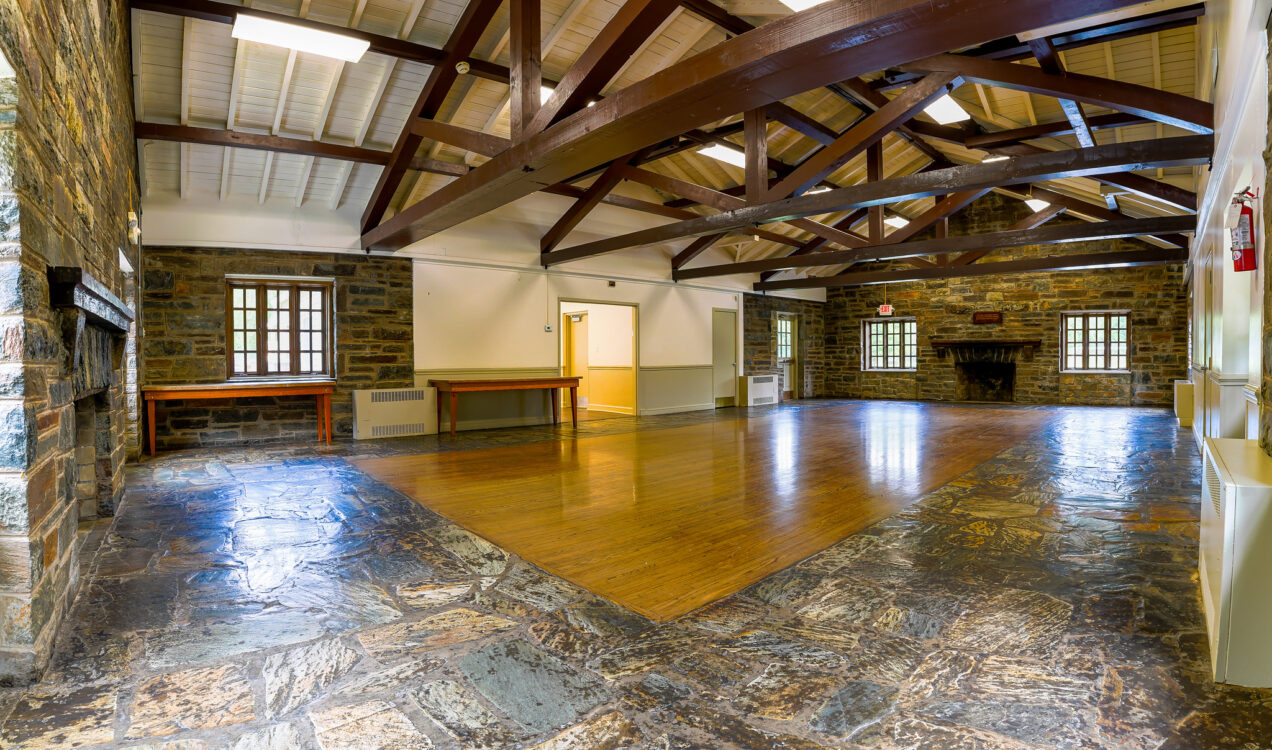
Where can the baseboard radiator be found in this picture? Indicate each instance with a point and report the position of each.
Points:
(394, 412)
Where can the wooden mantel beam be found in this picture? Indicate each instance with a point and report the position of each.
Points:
(1123, 259)
(810, 49)
(1051, 165)
(1104, 230)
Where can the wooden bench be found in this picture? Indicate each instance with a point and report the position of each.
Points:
(321, 390)
(456, 387)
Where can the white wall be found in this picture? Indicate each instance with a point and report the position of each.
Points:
(1227, 306)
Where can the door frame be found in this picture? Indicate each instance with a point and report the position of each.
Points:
(737, 354)
(797, 355)
(635, 340)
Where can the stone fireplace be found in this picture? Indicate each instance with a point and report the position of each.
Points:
(985, 369)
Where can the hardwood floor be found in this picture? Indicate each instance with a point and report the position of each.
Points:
(664, 522)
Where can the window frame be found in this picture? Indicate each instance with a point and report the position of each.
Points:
(787, 321)
(868, 323)
(295, 285)
(1108, 315)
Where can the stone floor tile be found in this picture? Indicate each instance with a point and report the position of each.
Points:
(374, 725)
(276, 737)
(854, 705)
(74, 717)
(191, 699)
(479, 555)
(405, 639)
(535, 689)
(296, 677)
(609, 731)
(432, 594)
(783, 692)
(222, 640)
(458, 712)
(389, 680)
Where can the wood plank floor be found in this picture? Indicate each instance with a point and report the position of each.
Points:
(664, 522)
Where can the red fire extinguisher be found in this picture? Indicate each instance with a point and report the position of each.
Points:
(1244, 257)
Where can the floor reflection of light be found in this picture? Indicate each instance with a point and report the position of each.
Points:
(893, 450)
(784, 459)
(1094, 438)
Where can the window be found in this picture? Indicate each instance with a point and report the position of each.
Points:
(1094, 340)
(890, 344)
(783, 338)
(278, 328)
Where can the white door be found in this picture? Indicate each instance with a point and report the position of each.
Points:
(724, 356)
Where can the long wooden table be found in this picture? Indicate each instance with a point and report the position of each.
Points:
(456, 387)
(321, 390)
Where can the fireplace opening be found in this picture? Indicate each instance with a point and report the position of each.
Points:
(94, 486)
(985, 381)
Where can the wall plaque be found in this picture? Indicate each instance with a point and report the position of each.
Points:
(980, 318)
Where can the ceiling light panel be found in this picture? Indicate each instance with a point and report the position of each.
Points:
(292, 36)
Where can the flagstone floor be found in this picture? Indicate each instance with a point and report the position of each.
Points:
(276, 597)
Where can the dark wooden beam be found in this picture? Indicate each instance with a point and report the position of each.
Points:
(1043, 130)
(1010, 48)
(469, 140)
(1160, 191)
(584, 205)
(917, 130)
(874, 173)
(605, 54)
(1161, 106)
(1095, 261)
(775, 61)
(694, 249)
(1093, 211)
(867, 134)
(801, 123)
(756, 124)
(1032, 221)
(1053, 165)
(1049, 62)
(238, 139)
(526, 71)
(217, 12)
(468, 30)
(960, 244)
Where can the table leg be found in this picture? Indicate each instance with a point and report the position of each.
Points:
(150, 424)
(326, 410)
(574, 405)
(556, 405)
(454, 410)
(318, 413)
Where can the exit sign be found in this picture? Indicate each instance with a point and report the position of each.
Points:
(885, 309)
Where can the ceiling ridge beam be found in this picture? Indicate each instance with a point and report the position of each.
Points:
(1184, 151)
(1043, 130)
(1121, 259)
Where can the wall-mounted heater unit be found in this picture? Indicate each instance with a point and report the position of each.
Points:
(758, 390)
(1236, 558)
(394, 412)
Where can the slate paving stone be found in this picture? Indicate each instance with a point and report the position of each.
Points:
(852, 706)
(411, 639)
(191, 699)
(609, 731)
(1046, 599)
(461, 714)
(535, 689)
(296, 677)
(374, 725)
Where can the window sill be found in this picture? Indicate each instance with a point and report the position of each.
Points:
(1095, 372)
(889, 369)
(262, 379)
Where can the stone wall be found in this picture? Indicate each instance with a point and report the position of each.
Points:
(759, 339)
(1031, 305)
(67, 182)
(183, 340)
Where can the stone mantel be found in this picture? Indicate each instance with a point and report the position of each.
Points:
(1013, 343)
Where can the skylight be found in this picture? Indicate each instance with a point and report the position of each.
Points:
(1036, 205)
(724, 154)
(896, 222)
(946, 111)
(292, 36)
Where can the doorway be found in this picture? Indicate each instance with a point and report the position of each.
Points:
(786, 346)
(598, 345)
(724, 356)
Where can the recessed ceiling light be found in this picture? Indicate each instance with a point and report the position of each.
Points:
(724, 154)
(292, 36)
(946, 111)
(996, 157)
(1036, 205)
(896, 222)
(545, 93)
(798, 5)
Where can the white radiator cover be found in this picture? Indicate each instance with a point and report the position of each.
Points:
(758, 390)
(1236, 557)
(394, 412)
